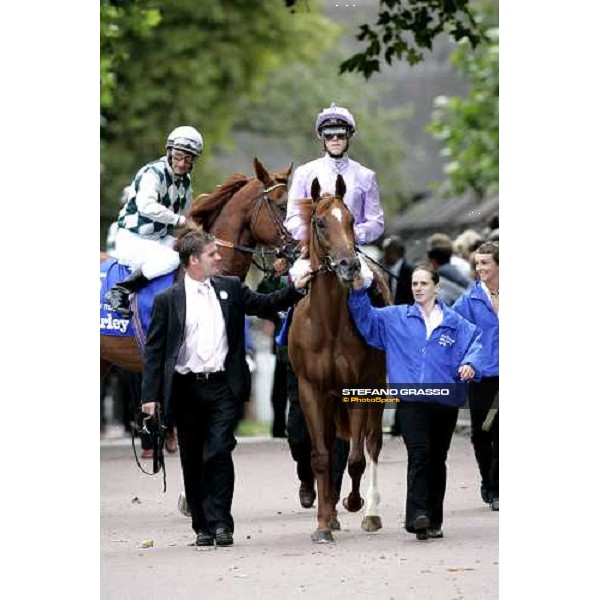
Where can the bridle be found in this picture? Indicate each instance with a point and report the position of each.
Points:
(327, 264)
(288, 246)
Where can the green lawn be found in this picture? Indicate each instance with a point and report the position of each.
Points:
(251, 428)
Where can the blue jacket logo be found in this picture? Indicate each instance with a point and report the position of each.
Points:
(446, 340)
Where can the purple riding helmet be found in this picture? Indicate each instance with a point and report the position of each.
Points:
(335, 116)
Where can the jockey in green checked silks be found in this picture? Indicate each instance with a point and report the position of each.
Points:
(158, 196)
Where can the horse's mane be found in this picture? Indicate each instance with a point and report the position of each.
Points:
(207, 207)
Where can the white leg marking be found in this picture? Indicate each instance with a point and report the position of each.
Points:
(372, 505)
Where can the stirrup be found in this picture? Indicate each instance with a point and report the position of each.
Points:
(118, 298)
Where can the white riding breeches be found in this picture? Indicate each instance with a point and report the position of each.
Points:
(302, 266)
(153, 257)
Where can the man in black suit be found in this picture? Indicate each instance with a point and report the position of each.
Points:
(393, 259)
(195, 370)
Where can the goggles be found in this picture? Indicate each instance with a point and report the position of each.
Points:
(331, 132)
(189, 159)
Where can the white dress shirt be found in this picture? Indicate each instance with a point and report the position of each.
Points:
(433, 320)
(494, 300)
(205, 347)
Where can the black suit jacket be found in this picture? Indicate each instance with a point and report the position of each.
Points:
(404, 293)
(167, 330)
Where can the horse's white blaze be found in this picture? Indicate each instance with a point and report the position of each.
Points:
(372, 505)
(337, 213)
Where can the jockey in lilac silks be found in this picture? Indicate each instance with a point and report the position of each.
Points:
(336, 126)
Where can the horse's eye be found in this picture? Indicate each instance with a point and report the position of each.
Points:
(321, 223)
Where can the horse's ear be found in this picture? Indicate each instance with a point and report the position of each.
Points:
(261, 173)
(340, 186)
(315, 190)
(288, 171)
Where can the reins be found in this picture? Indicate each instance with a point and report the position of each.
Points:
(257, 203)
(327, 264)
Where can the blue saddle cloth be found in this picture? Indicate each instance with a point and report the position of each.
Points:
(113, 323)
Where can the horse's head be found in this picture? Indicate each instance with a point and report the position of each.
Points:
(332, 233)
(268, 210)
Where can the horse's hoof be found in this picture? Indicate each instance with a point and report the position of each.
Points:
(371, 523)
(322, 536)
(334, 524)
(352, 505)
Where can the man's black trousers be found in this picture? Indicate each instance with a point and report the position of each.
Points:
(206, 415)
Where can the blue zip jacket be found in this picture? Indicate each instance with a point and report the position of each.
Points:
(475, 306)
(411, 358)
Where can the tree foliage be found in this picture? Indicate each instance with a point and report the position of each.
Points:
(285, 110)
(468, 127)
(405, 28)
(120, 20)
(193, 68)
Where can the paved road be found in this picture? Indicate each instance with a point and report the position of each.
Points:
(273, 556)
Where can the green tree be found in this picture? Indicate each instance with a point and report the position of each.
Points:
(404, 28)
(468, 127)
(284, 113)
(193, 68)
(119, 20)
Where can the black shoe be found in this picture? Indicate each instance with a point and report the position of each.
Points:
(307, 494)
(118, 298)
(223, 537)
(495, 504)
(205, 539)
(435, 533)
(421, 525)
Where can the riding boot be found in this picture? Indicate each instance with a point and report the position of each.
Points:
(118, 295)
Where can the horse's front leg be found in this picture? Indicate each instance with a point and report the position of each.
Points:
(322, 434)
(372, 519)
(356, 459)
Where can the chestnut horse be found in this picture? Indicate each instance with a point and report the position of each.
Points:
(327, 354)
(241, 213)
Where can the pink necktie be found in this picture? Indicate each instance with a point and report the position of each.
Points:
(206, 324)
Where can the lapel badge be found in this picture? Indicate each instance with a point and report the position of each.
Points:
(223, 295)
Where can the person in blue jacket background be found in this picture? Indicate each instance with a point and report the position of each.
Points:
(481, 305)
(425, 343)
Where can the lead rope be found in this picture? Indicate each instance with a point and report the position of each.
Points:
(158, 456)
(396, 277)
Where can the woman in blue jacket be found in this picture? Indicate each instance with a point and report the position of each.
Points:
(480, 305)
(425, 343)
